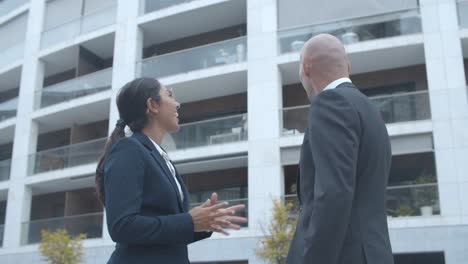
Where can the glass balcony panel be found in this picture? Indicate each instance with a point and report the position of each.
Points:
(8, 109)
(216, 54)
(155, 5)
(82, 86)
(11, 54)
(89, 224)
(5, 168)
(66, 157)
(9, 5)
(401, 107)
(353, 31)
(208, 132)
(77, 27)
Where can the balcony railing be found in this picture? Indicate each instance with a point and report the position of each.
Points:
(463, 13)
(216, 54)
(208, 132)
(8, 109)
(9, 5)
(11, 54)
(149, 6)
(395, 108)
(75, 88)
(355, 30)
(89, 224)
(402, 201)
(413, 200)
(5, 168)
(79, 26)
(66, 157)
(404, 107)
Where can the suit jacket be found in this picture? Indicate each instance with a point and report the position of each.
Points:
(344, 168)
(144, 210)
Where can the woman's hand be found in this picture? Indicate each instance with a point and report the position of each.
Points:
(206, 215)
(228, 219)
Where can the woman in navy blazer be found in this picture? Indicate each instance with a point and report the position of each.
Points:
(146, 201)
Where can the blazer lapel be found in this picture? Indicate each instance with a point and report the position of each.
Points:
(162, 164)
(186, 201)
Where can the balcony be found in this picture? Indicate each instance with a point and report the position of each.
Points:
(11, 54)
(227, 52)
(66, 157)
(395, 108)
(402, 201)
(87, 23)
(89, 224)
(5, 167)
(413, 200)
(208, 132)
(152, 6)
(354, 31)
(8, 109)
(75, 88)
(9, 5)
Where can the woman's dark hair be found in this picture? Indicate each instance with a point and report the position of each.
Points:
(131, 103)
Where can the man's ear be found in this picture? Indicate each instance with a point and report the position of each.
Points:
(349, 69)
(307, 69)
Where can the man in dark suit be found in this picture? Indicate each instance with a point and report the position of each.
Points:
(344, 166)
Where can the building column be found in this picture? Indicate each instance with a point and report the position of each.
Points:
(264, 103)
(26, 131)
(449, 103)
(127, 51)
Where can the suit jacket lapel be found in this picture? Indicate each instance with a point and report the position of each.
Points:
(186, 201)
(162, 164)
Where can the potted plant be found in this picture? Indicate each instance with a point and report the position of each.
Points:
(404, 210)
(426, 196)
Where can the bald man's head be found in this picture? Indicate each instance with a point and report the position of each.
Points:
(323, 60)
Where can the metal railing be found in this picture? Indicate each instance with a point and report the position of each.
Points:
(79, 26)
(402, 201)
(66, 157)
(75, 88)
(89, 224)
(413, 200)
(395, 108)
(149, 6)
(208, 132)
(226, 52)
(5, 168)
(10, 5)
(8, 109)
(354, 30)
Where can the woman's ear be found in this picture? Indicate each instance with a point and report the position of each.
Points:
(151, 106)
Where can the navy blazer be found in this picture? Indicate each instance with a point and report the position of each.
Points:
(344, 169)
(145, 214)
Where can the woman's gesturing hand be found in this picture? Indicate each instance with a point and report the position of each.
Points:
(204, 217)
(216, 217)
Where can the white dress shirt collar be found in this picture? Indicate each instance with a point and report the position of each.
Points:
(336, 83)
(170, 167)
(160, 150)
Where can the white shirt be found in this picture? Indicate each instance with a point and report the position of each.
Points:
(336, 83)
(170, 166)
